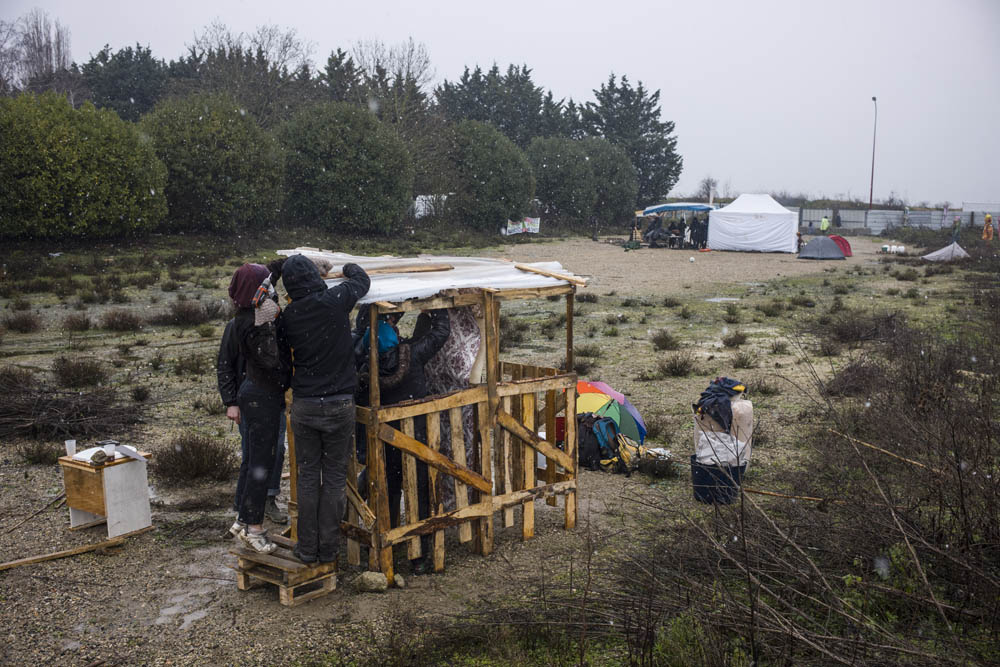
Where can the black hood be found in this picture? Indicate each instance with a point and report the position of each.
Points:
(301, 277)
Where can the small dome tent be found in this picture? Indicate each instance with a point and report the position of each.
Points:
(822, 247)
(754, 223)
(949, 253)
(843, 244)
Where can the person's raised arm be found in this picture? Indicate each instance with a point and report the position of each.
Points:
(355, 285)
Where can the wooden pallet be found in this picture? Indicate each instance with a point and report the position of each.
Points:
(285, 571)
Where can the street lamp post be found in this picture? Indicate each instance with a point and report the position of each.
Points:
(871, 189)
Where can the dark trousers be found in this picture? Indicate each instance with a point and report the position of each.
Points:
(274, 481)
(324, 436)
(394, 480)
(261, 417)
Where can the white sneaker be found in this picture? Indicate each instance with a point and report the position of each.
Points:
(234, 530)
(259, 542)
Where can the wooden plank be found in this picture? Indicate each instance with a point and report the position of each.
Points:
(487, 415)
(282, 564)
(84, 489)
(570, 361)
(559, 406)
(532, 440)
(532, 292)
(528, 414)
(431, 404)
(559, 476)
(436, 523)
(113, 542)
(517, 448)
(434, 491)
(484, 526)
(550, 437)
(410, 492)
(569, 521)
(356, 533)
(507, 487)
(517, 497)
(361, 414)
(405, 268)
(353, 501)
(70, 462)
(522, 386)
(404, 442)
(432, 303)
(552, 274)
(377, 489)
(458, 453)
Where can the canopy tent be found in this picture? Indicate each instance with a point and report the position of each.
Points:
(843, 244)
(949, 253)
(754, 223)
(821, 247)
(676, 206)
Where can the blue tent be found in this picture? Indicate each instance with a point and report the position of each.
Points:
(677, 206)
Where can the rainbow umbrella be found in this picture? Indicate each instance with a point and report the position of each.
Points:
(602, 400)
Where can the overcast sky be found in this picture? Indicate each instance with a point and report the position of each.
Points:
(767, 95)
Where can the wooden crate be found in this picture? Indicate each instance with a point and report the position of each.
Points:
(285, 571)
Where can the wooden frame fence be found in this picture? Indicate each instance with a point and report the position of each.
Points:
(509, 409)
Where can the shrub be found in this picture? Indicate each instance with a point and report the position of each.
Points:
(37, 452)
(745, 359)
(224, 172)
(685, 313)
(610, 332)
(74, 172)
(121, 319)
(23, 322)
(779, 347)
(671, 302)
(345, 170)
(205, 331)
(156, 361)
(583, 366)
(184, 312)
(564, 179)
(664, 340)
(892, 291)
(828, 348)
(169, 285)
(909, 274)
(13, 378)
(76, 322)
(732, 315)
(76, 373)
(140, 393)
(511, 331)
(802, 301)
(615, 318)
(615, 180)
(589, 350)
(195, 456)
(191, 364)
(772, 308)
(762, 385)
(677, 364)
(586, 297)
(841, 289)
(20, 303)
(734, 339)
(491, 179)
(211, 403)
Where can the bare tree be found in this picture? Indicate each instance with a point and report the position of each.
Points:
(44, 47)
(407, 60)
(10, 56)
(281, 49)
(706, 187)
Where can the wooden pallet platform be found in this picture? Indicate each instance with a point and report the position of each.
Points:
(285, 571)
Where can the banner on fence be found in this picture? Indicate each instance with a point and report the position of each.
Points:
(528, 225)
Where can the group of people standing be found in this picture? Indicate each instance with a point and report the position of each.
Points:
(309, 345)
(679, 233)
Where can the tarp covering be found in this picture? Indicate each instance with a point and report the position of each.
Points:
(467, 272)
(948, 253)
(754, 223)
(821, 247)
(843, 244)
(676, 206)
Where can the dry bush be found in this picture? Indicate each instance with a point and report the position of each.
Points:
(779, 347)
(140, 393)
(763, 385)
(802, 301)
(76, 322)
(38, 412)
(512, 331)
(734, 339)
(188, 312)
(191, 364)
(685, 313)
(195, 456)
(210, 403)
(677, 364)
(671, 302)
(20, 303)
(13, 378)
(853, 326)
(665, 340)
(78, 372)
(37, 452)
(855, 378)
(745, 359)
(773, 308)
(732, 315)
(587, 350)
(586, 297)
(121, 319)
(23, 322)
(828, 348)
(583, 366)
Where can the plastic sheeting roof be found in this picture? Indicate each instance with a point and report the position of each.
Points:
(467, 272)
(677, 206)
(947, 254)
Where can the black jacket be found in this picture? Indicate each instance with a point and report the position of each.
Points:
(250, 352)
(316, 329)
(401, 369)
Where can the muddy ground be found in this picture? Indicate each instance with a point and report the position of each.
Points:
(169, 597)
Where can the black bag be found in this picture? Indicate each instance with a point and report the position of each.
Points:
(596, 440)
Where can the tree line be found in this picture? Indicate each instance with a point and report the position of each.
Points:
(243, 131)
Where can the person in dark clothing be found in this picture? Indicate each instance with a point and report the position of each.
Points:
(402, 378)
(316, 329)
(251, 339)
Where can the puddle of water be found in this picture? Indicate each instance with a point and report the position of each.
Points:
(192, 617)
(721, 299)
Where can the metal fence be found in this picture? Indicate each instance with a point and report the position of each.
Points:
(863, 221)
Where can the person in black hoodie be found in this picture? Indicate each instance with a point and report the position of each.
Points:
(402, 378)
(249, 349)
(316, 330)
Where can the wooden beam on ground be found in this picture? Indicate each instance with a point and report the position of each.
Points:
(551, 274)
(404, 442)
(113, 542)
(436, 523)
(532, 440)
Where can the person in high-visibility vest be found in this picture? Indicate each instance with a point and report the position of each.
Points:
(824, 225)
(988, 229)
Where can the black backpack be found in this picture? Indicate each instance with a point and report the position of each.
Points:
(596, 439)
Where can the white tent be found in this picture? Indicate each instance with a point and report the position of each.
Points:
(754, 223)
(947, 254)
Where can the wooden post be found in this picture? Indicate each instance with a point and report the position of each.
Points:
(293, 472)
(458, 454)
(528, 465)
(410, 493)
(550, 435)
(569, 522)
(353, 547)
(488, 415)
(434, 490)
(378, 493)
(505, 446)
(517, 448)
(570, 362)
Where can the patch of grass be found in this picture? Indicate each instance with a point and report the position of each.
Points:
(912, 293)
(828, 347)
(908, 274)
(191, 364)
(20, 303)
(671, 302)
(185, 312)
(658, 426)
(588, 350)
(585, 297)
(121, 319)
(205, 331)
(616, 318)
(732, 315)
(76, 322)
(169, 285)
(210, 403)
(511, 331)
(734, 339)
(76, 373)
(892, 291)
(802, 301)
(763, 385)
(842, 289)
(195, 456)
(779, 347)
(772, 308)
(745, 359)
(156, 361)
(140, 393)
(610, 332)
(23, 322)
(837, 305)
(677, 364)
(685, 313)
(664, 340)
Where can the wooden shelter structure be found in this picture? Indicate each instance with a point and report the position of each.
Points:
(512, 404)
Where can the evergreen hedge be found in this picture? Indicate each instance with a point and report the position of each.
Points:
(615, 180)
(565, 180)
(82, 173)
